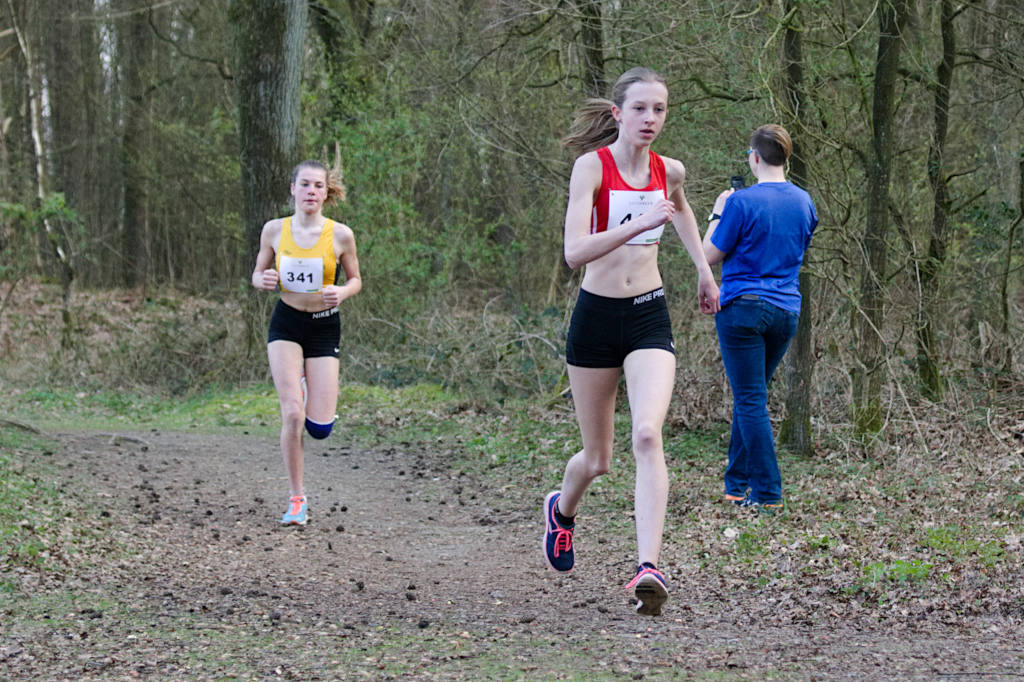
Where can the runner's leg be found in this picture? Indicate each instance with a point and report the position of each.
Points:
(650, 375)
(286, 368)
(593, 394)
(322, 388)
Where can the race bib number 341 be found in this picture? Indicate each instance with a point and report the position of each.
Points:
(302, 275)
(626, 204)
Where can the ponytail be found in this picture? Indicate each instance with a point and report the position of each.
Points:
(335, 187)
(593, 126)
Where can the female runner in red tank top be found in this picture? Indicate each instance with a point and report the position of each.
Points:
(621, 194)
(306, 254)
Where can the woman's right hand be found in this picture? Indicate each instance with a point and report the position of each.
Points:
(659, 214)
(269, 280)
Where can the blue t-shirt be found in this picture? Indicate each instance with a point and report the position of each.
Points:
(764, 231)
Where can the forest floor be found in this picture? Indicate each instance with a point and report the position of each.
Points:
(139, 534)
(410, 568)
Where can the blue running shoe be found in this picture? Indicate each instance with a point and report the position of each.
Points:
(557, 538)
(768, 508)
(649, 588)
(297, 513)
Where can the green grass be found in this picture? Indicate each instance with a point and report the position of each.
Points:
(749, 545)
(42, 527)
(28, 525)
(52, 409)
(253, 407)
(898, 571)
(963, 546)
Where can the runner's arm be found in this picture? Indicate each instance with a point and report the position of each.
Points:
(264, 276)
(685, 224)
(582, 247)
(345, 245)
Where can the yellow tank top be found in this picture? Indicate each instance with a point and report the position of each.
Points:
(305, 271)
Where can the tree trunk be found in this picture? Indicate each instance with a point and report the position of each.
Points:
(1004, 279)
(269, 42)
(798, 367)
(362, 17)
(336, 22)
(5, 161)
(928, 368)
(592, 47)
(52, 237)
(868, 374)
(135, 45)
(77, 122)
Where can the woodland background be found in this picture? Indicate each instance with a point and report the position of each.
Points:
(144, 142)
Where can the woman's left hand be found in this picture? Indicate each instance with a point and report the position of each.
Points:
(331, 295)
(720, 201)
(707, 295)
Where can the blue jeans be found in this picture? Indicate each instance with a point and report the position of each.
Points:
(753, 335)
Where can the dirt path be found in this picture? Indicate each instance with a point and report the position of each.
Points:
(408, 569)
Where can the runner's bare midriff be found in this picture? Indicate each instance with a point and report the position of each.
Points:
(625, 272)
(307, 303)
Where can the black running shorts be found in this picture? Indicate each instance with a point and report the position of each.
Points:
(603, 331)
(318, 333)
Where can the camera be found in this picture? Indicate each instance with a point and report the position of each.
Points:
(737, 181)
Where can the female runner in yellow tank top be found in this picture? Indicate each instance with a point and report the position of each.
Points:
(301, 253)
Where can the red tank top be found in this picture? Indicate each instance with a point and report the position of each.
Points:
(618, 202)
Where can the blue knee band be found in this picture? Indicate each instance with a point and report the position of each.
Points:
(318, 430)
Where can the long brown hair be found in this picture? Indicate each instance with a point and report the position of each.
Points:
(593, 126)
(335, 188)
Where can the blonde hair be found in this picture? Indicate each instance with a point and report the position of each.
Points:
(335, 187)
(593, 126)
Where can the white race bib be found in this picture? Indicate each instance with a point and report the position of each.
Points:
(626, 204)
(302, 275)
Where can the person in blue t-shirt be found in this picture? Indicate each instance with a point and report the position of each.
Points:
(759, 234)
